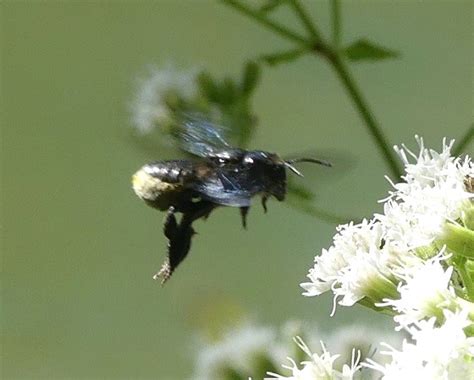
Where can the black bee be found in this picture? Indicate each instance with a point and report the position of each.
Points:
(221, 175)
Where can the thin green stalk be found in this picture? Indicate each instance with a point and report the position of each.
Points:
(464, 141)
(336, 23)
(305, 19)
(321, 48)
(372, 125)
(262, 19)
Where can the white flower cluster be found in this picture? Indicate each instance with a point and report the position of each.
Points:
(366, 259)
(432, 193)
(425, 291)
(435, 352)
(321, 366)
(415, 260)
(237, 353)
(149, 108)
(250, 350)
(356, 266)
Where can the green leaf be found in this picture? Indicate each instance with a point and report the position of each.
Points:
(301, 198)
(283, 57)
(250, 78)
(208, 87)
(228, 92)
(240, 122)
(300, 192)
(364, 50)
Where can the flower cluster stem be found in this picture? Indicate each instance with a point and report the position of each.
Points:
(306, 21)
(336, 23)
(361, 105)
(318, 46)
(264, 21)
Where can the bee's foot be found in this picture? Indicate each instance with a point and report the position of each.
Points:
(164, 273)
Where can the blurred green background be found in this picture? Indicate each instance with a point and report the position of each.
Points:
(79, 249)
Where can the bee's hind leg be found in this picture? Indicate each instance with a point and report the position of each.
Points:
(179, 236)
(170, 230)
(170, 226)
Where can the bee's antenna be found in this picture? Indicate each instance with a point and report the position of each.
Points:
(293, 169)
(288, 163)
(308, 159)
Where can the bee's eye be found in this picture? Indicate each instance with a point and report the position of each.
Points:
(221, 160)
(248, 160)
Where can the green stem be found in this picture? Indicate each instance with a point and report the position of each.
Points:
(336, 23)
(262, 19)
(310, 27)
(334, 58)
(374, 130)
(464, 141)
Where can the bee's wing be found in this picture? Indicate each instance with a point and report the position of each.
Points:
(227, 187)
(201, 137)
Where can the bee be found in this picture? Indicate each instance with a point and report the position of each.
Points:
(219, 175)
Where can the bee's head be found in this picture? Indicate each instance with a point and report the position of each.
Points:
(280, 166)
(269, 168)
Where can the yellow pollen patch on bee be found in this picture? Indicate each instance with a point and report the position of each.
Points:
(148, 187)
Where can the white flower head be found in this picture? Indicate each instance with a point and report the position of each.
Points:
(433, 192)
(149, 108)
(425, 290)
(364, 339)
(355, 266)
(320, 367)
(443, 352)
(237, 351)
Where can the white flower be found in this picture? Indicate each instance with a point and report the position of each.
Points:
(320, 367)
(355, 266)
(237, 351)
(443, 352)
(425, 290)
(149, 107)
(364, 339)
(433, 192)
(363, 258)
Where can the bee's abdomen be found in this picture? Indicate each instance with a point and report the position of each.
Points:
(171, 172)
(160, 181)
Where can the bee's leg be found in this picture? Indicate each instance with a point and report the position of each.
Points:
(170, 229)
(243, 213)
(206, 211)
(178, 248)
(200, 209)
(170, 226)
(264, 203)
(179, 237)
